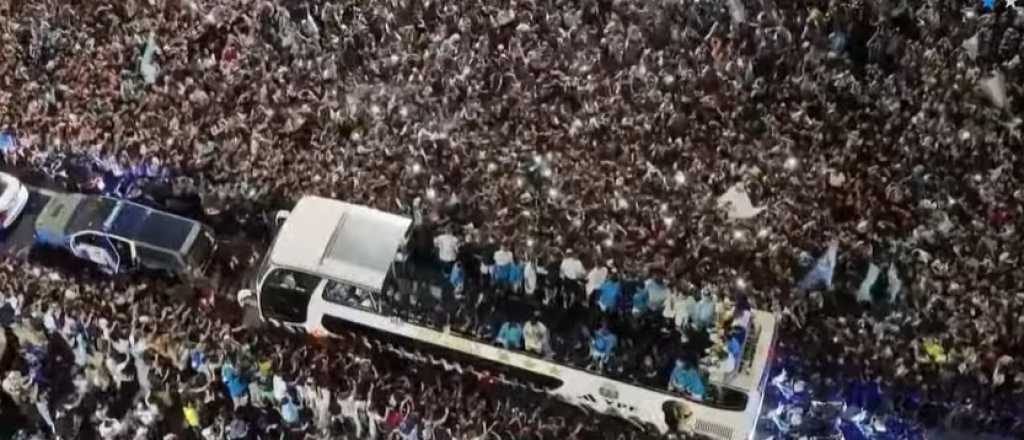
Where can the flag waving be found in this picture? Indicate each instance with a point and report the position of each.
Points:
(820, 275)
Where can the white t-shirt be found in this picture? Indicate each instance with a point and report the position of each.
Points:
(530, 278)
(280, 388)
(572, 269)
(447, 247)
(535, 335)
(502, 257)
(596, 277)
(349, 407)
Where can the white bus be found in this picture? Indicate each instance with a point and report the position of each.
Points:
(330, 269)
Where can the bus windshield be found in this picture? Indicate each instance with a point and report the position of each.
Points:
(285, 295)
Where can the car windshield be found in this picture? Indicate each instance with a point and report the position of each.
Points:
(91, 213)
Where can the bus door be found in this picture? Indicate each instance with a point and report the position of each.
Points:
(285, 296)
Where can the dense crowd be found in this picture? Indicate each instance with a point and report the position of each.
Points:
(93, 358)
(608, 128)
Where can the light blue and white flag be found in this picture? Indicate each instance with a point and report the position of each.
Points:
(147, 68)
(820, 275)
(875, 287)
(864, 291)
(8, 142)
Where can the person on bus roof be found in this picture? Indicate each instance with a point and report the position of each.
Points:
(602, 344)
(703, 314)
(510, 335)
(609, 293)
(597, 276)
(447, 245)
(515, 276)
(685, 378)
(503, 261)
(641, 299)
(656, 293)
(457, 278)
(536, 335)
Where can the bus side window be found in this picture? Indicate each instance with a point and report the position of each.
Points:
(291, 280)
(338, 293)
(343, 294)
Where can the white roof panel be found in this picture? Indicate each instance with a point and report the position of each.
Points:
(350, 243)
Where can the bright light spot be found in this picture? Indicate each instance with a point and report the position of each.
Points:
(669, 220)
(553, 193)
(620, 203)
(527, 213)
(608, 242)
(404, 111)
(741, 283)
(482, 155)
(762, 233)
(454, 199)
(965, 135)
(737, 234)
(417, 168)
(791, 163)
(520, 182)
(492, 167)
(546, 173)
(431, 194)
(550, 156)
(537, 159)
(577, 222)
(664, 206)
(680, 178)
(529, 242)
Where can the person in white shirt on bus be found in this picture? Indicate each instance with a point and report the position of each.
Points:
(656, 293)
(503, 261)
(572, 274)
(447, 249)
(596, 277)
(703, 313)
(536, 336)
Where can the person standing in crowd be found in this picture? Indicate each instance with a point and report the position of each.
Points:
(622, 151)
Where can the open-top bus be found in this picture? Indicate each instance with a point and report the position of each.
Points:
(330, 271)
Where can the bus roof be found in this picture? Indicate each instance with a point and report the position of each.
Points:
(347, 242)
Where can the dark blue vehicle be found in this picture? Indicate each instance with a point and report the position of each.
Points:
(119, 235)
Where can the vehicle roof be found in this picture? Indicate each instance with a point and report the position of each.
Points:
(150, 226)
(89, 213)
(69, 214)
(347, 242)
(57, 213)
